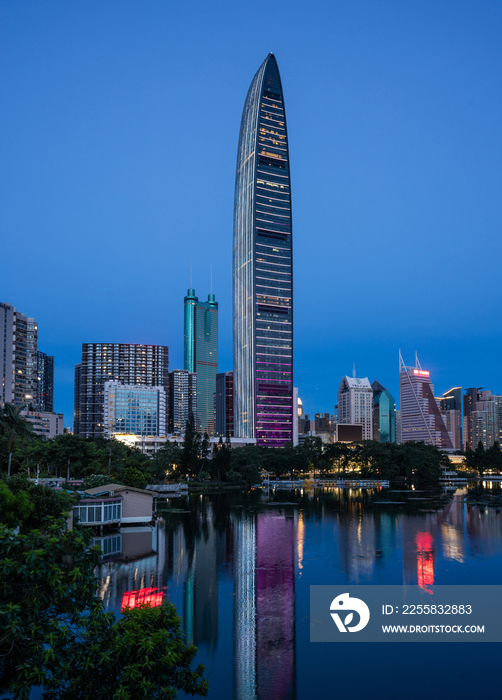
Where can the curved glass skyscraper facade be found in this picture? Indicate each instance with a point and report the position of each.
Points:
(262, 267)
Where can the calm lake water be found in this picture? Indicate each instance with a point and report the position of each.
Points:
(238, 567)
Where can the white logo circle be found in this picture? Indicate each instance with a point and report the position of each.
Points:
(343, 603)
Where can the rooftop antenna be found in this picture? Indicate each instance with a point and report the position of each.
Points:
(354, 370)
(190, 273)
(211, 279)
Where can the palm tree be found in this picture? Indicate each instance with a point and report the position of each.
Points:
(13, 425)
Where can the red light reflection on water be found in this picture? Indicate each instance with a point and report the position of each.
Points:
(425, 560)
(146, 596)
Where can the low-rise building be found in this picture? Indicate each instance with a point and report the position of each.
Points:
(115, 504)
(44, 423)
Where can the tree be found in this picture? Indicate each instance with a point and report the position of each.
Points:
(56, 634)
(164, 461)
(13, 425)
(14, 508)
(44, 502)
(191, 448)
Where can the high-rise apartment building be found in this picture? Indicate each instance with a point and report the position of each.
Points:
(421, 419)
(146, 365)
(485, 420)
(451, 409)
(355, 404)
(225, 404)
(469, 400)
(45, 382)
(384, 414)
(134, 409)
(183, 397)
(18, 356)
(262, 267)
(201, 355)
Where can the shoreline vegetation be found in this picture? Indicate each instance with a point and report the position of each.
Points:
(55, 631)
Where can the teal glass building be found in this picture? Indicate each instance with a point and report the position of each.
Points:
(262, 267)
(201, 354)
(384, 414)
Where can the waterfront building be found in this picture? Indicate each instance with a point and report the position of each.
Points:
(183, 397)
(421, 419)
(129, 364)
(45, 423)
(201, 355)
(262, 267)
(355, 404)
(134, 409)
(451, 409)
(298, 408)
(18, 356)
(225, 404)
(384, 414)
(45, 382)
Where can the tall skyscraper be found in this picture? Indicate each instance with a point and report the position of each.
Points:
(182, 399)
(18, 357)
(45, 382)
(201, 354)
(384, 414)
(355, 404)
(262, 267)
(421, 419)
(106, 362)
(485, 420)
(451, 409)
(225, 404)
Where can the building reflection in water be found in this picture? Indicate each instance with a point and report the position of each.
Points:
(425, 560)
(264, 606)
(257, 546)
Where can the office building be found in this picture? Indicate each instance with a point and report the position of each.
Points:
(485, 421)
(304, 424)
(18, 356)
(355, 404)
(183, 397)
(45, 423)
(134, 409)
(225, 404)
(450, 405)
(45, 382)
(421, 419)
(262, 267)
(322, 422)
(469, 400)
(384, 414)
(398, 427)
(144, 365)
(201, 355)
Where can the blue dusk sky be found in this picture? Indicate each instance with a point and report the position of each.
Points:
(119, 128)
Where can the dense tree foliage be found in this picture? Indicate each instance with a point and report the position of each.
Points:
(56, 634)
(484, 460)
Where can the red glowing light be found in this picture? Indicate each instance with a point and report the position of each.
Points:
(146, 596)
(425, 560)
(422, 372)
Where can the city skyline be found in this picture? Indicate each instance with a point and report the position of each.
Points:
(398, 174)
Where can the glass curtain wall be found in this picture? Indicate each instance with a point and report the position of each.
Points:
(262, 267)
